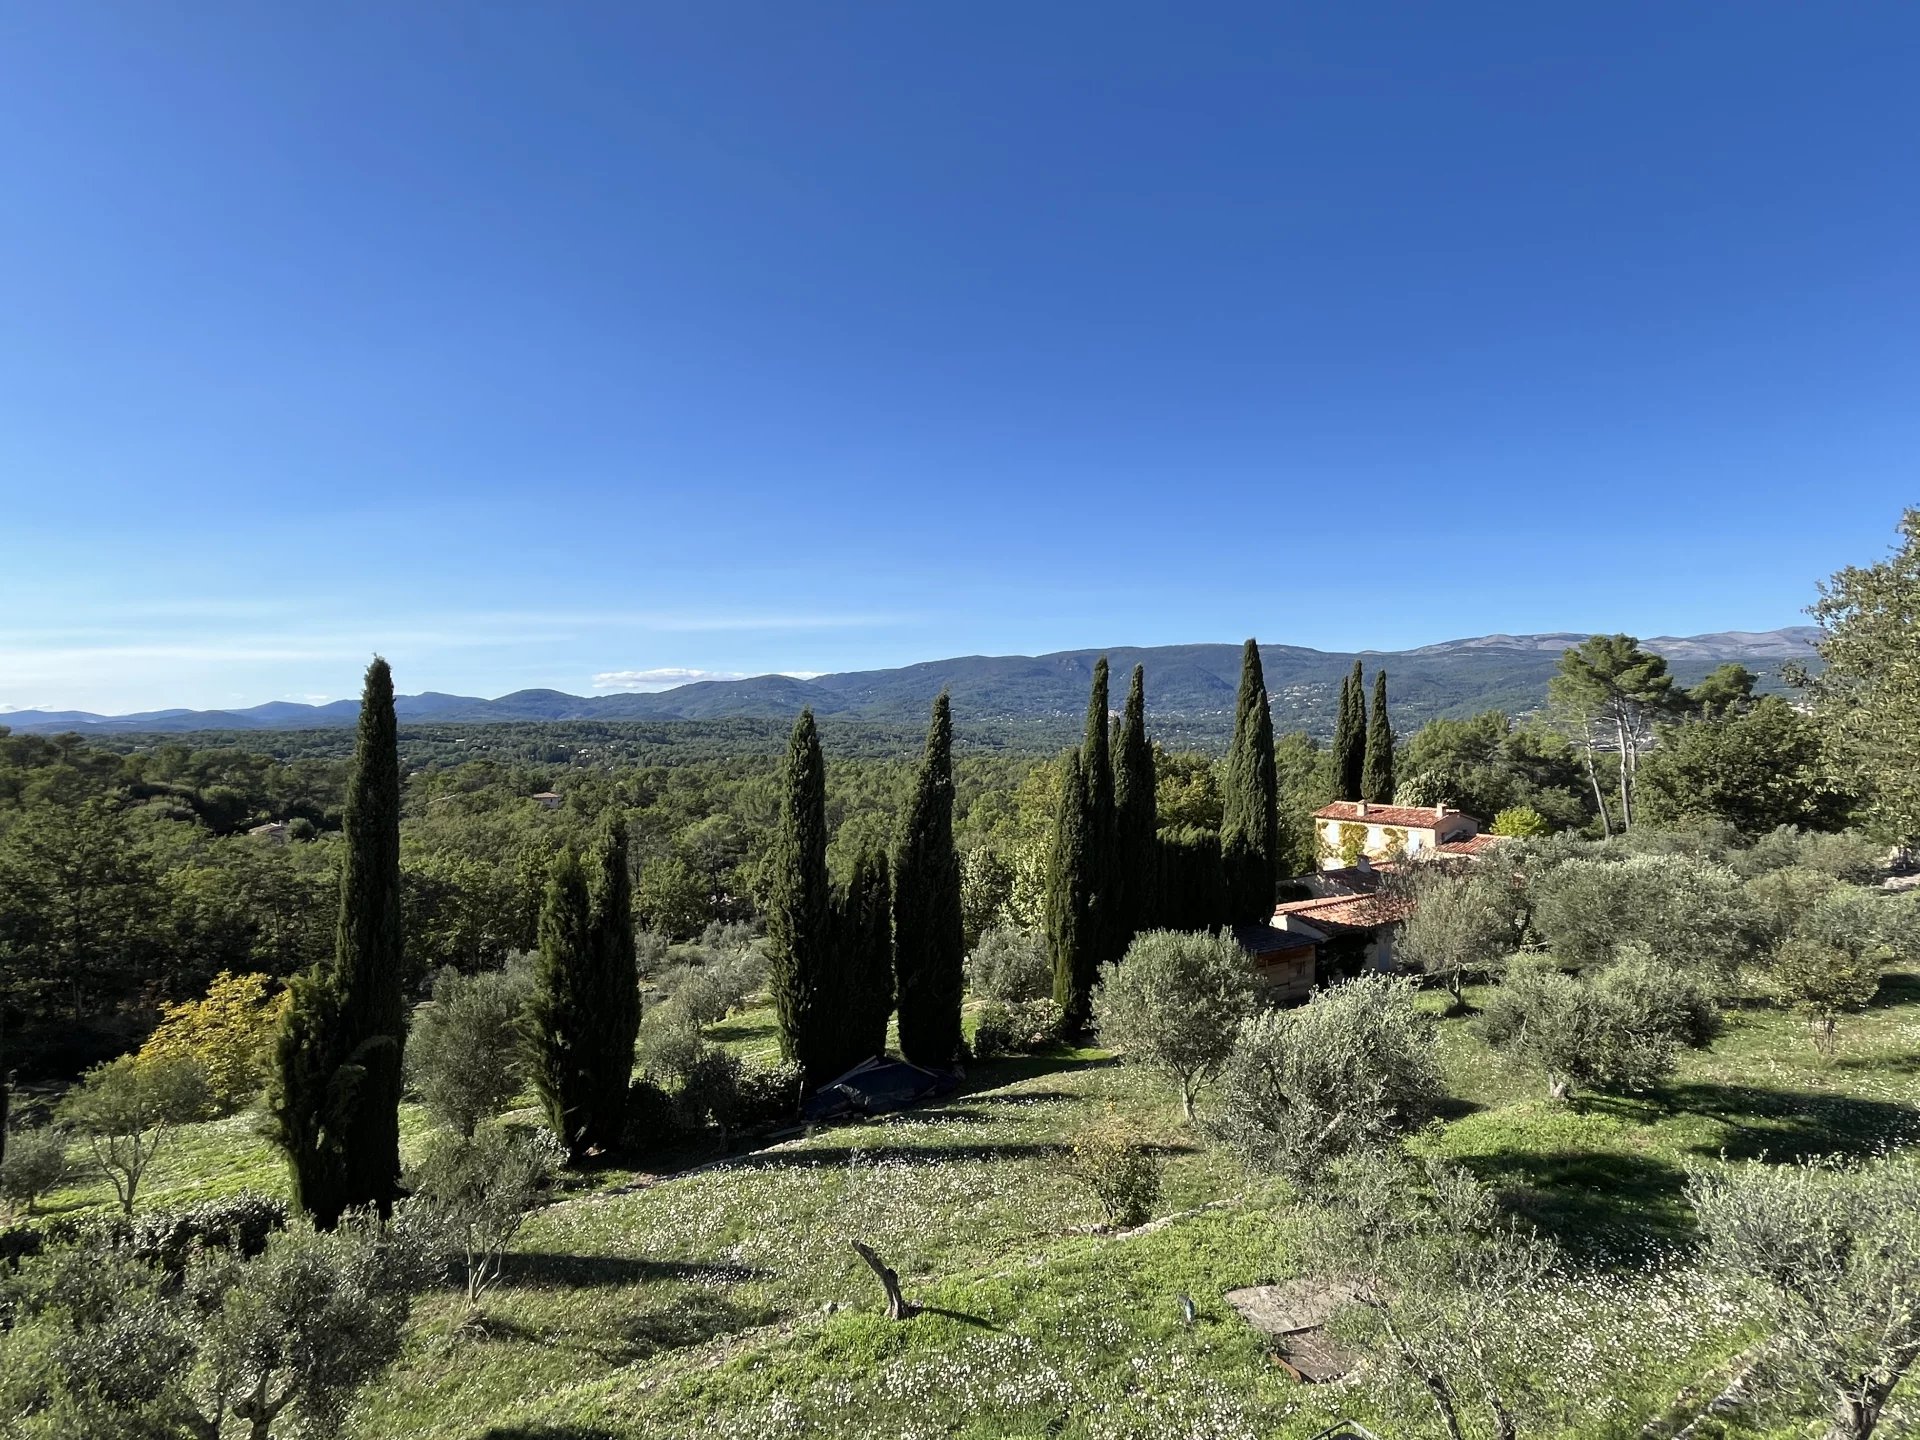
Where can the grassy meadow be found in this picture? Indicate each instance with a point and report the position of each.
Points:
(724, 1299)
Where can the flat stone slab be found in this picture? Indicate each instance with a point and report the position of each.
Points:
(1290, 1307)
(1295, 1313)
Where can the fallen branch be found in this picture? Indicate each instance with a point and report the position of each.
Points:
(897, 1306)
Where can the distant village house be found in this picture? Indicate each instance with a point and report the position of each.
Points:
(1350, 830)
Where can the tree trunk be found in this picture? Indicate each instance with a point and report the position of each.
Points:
(897, 1306)
(1626, 778)
(1593, 779)
(1186, 1100)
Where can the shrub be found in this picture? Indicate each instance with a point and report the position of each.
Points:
(465, 1053)
(668, 1044)
(695, 993)
(1684, 911)
(1823, 981)
(1662, 1000)
(36, 1163)
(1010, 966)
(1848, 856)
(766, 1095)
(1832, 1256)
(652, 1118)
(1111, 1159)
(1352, 1068)
(709, 1092)
(228, 1033)
(1001, 1028)
(1616, 1032)
(1174, 1004)
(1521, 822)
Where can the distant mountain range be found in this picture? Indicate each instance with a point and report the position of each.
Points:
(1194, 683)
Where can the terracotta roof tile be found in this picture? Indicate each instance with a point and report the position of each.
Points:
(1407, 817)
(1473, 845)
(1349, 912)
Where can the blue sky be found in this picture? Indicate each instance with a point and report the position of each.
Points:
(568, 345)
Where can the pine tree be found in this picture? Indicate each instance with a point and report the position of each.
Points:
(334, 1102)
(614, 1022)
(929, 951)
(800, 915)
(1096, 765)
(1350, 735)
(1070, 898)
(1376, 783)
(559, 1020)
(866, 945)
(1250, 809)
(1136, 819)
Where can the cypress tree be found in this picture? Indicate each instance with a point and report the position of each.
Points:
(1136, 817)
(929, 950)
(1096, 765)
(559, 1020)
(1250, 804)
(800, 917)
(1350, 736)
(1070, 897)
(614, 1020)
(334, 1103)
(1376, 781)
(866, 947)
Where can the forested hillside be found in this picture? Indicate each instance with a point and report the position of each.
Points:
(1022, 697)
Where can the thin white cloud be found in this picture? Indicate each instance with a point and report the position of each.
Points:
(667, 677)
(664, 678)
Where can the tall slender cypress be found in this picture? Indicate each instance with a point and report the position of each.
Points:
(1070, 897)
(800, 917)
(1350, 736)
(1096, 765)
(1376, 781)
(929, 949)
(866, 948)
(614, 984)
(1136, 817)
(560, 1022)
(1250, 808)
(334, 1101)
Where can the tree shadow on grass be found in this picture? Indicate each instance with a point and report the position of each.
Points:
(979, 1322)
(545, 1270)
(834, 1156)
(690, 1319)
(1604, 1207)
(1787, 1125)
(546, 1432)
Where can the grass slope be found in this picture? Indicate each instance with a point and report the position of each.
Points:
(726, 1301)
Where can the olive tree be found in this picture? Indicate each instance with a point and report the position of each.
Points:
(1617, 1031)
(1443, 1286)
(127, 1109)
(300, 1329)
(1463, 921)
(1174, 1003)
(1352, 1068)
(478, 1189)
(35, 1162)
(1685, 911)
(465, 1054)
(1831, 961)
(1832, 1257)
